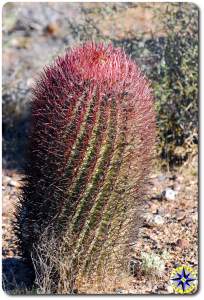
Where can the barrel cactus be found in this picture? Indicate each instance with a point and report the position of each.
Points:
(91, 143)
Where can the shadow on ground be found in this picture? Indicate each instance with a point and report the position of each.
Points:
(16, 275)
(15, 136)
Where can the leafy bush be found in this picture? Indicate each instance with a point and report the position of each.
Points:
(175, 81)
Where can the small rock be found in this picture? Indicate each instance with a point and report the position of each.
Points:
(170, 194)
(147, 217)
(180, 215)
(52, 29)
(30, 82)
(13, 183)
(14, 42)
(119, 291)
(152, 220)
(20, 42)
(132, 292)
(158, 220)
(182, 243)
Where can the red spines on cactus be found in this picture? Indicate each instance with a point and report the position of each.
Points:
(91, 108)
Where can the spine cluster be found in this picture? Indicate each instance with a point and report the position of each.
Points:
(91, 142)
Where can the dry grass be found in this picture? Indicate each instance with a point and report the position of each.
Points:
(56, 273)
(51, 267)
(109, 282)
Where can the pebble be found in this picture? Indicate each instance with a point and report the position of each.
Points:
(152, 220)
(20, 42)
(158, 220)
(182, 243)
(52, 29)
(148, 217)
(14, 42)
(132, 292)
(180, 215)
(13, 183)
(170, 194)
(30, 82)
(10, 253)
(120, 291)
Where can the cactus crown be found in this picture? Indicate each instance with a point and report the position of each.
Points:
(91, 139)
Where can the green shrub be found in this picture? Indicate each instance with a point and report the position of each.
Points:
(175, 81)
(170, 60)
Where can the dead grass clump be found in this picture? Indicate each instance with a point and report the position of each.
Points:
(58, 271)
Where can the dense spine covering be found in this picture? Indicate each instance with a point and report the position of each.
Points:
(91, 142)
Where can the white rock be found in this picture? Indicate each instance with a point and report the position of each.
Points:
(158, 220)
(30, 82)
(13, 183)
(153, 220)
(148, 218)
(170, 194)
(14, 42)
(120, 291)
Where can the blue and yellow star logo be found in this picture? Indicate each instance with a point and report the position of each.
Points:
(183, 280)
